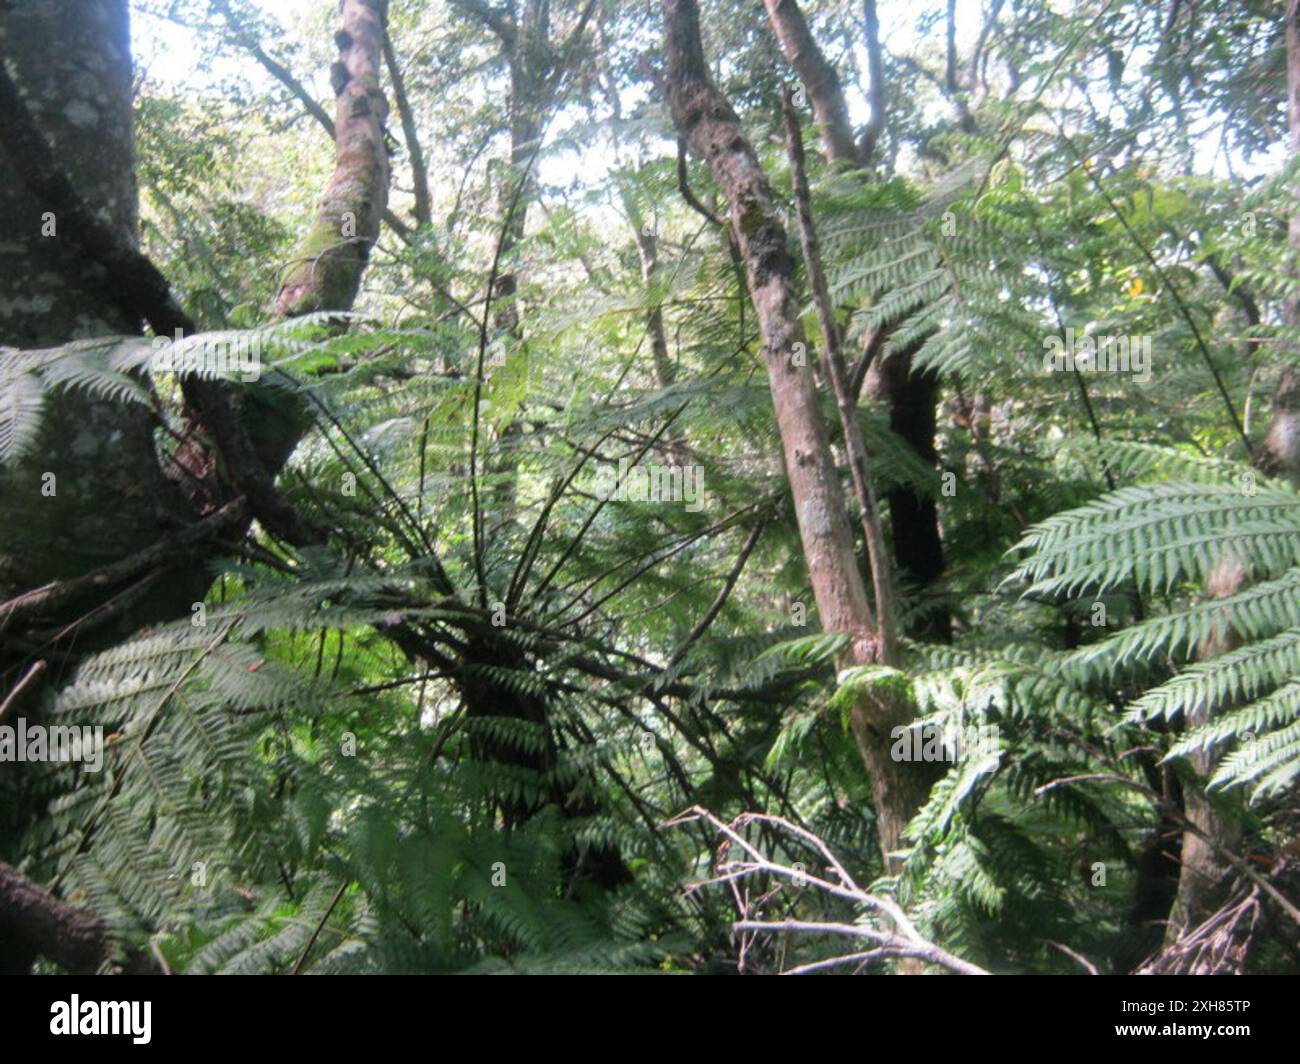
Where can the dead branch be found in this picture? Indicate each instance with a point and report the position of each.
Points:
(890, 931)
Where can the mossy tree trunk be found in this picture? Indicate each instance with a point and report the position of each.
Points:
(96, 490)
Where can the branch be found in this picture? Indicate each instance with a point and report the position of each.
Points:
(721, 599)
(327, 272)
(876, 90)
(950, 50)
(297, 968)
(964, 117)
(214, 405)
(977, 53)
(51, 599)
(419, 171)
(871, 345)
(37, 922)
(20, 688)
(703, 116)
(499, 22)
(277, 70)
(684, 187)
(818, 76)
(904, 941)
(1075, 956)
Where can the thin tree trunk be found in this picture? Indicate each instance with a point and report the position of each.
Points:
(648, 253)
(1282, 446)
(859, 468)
(819, 79)
(331, 260)
(1204, 876)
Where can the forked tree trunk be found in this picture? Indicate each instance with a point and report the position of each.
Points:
(713, 132)
(912, 398)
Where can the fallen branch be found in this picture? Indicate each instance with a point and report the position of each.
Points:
(902, 940)
(35, 921)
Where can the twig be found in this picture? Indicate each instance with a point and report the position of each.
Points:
(297, 968)
(11, 699)
(163, 966)
(1092, 968)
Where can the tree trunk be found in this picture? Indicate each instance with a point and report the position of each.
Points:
(1204, 874)
(712, 130)
(819, 79)
(91, 489)
(912, 398)
(34, 923)
(104, 542)
(331, 260)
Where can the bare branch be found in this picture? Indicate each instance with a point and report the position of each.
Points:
(21, 687)
(684, 187)
(902, 941)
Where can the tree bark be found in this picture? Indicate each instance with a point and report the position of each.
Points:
(1204, 875)
(333, 257)
(876, 89)
(119, 538)
(912, 398)
(1282, 446)
(712, 130)
(819, 78)
(34, 923)
(71, 65)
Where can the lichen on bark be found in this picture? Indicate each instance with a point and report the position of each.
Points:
(109, 495)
